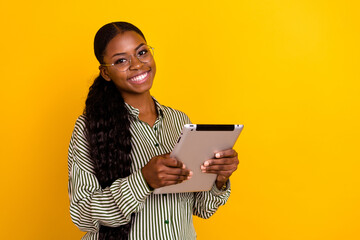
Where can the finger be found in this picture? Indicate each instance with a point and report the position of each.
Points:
(178, 178)
(173, 179)
(218, 168)
(166, 155)
(177, 171)
(221, 161)
(172, 162)
(226, 153)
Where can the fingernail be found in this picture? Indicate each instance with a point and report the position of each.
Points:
(206, 163)
(217, 155)
(191, 173)
(202, 167)
(183, 166)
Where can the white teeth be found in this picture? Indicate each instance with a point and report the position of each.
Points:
(139, 77)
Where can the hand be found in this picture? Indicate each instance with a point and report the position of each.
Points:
(163, 170)
(224, 164)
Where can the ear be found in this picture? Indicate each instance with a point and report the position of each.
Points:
(104, 73)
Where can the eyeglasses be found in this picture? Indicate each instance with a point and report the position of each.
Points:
(144, 54)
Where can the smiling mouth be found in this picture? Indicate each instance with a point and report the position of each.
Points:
(138, 79)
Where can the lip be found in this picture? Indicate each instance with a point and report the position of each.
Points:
(139, 78)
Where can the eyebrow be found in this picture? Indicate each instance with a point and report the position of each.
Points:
(140, 45)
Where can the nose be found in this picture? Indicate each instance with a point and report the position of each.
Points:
(135, 63)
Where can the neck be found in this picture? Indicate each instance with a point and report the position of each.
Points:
(146, 106)
(143, 102)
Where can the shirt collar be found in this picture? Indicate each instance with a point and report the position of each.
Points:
(135, 112)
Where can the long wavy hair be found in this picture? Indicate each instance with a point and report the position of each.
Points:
(108, 126)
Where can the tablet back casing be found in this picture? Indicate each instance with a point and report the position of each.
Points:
(196, 144)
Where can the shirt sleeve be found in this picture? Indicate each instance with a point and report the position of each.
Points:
(206, 203)
(92, 206)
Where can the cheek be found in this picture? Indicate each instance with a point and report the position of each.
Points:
(153, 68)
(119, 76)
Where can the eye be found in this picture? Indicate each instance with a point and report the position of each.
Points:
(143, 52)
(120, 61)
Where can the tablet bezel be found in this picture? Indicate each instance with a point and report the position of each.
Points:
(196, 144)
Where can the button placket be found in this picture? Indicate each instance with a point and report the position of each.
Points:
(168, 214)
(156, 133)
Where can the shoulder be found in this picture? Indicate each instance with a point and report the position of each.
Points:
(79, 149)
(80, 124)
(169, 112)
(80, 130)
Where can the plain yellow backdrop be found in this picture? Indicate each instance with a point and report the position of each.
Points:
(287, 70)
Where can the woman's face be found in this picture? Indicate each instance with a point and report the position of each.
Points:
(139, 77)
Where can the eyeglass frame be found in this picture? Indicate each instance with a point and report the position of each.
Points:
(152, 52)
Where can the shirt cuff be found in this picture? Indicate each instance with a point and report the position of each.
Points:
(217, 192)
(138, 186)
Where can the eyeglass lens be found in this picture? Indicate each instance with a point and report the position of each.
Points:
(143, 54)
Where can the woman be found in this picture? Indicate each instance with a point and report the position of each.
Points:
(118, 152)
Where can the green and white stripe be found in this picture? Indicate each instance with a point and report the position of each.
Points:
(163, 216)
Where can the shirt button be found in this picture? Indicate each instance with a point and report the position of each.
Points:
(155, 128)
(166, 221)
(156, 144)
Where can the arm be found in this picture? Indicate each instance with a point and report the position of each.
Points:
(224, 164)
(206, 203)
(92, 206)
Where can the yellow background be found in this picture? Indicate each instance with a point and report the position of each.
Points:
(287, 70)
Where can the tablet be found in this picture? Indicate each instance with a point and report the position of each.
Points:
(196, 144)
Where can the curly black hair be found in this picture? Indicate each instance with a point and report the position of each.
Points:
(108, 126)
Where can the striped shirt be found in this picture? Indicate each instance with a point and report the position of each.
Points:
(155, 216)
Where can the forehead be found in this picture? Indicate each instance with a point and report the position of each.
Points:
(124, 42)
